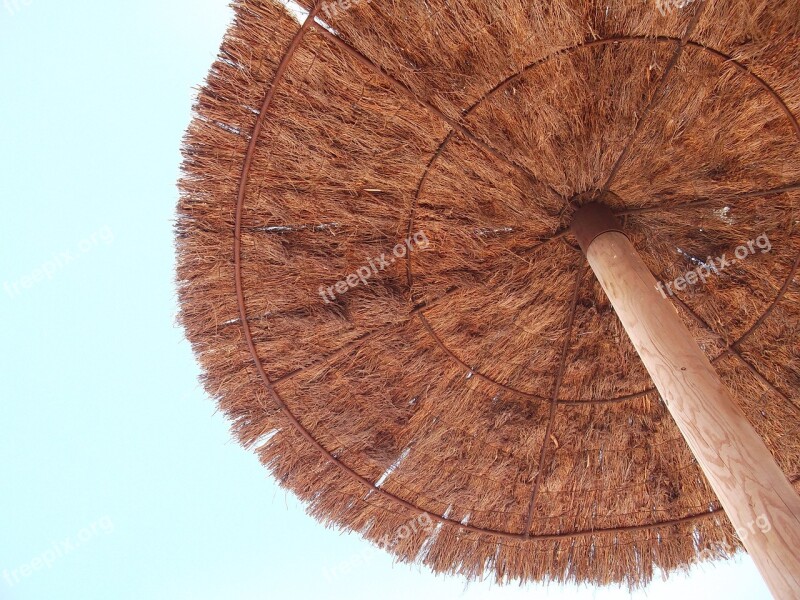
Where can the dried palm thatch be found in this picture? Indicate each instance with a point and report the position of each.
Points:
(484, 380)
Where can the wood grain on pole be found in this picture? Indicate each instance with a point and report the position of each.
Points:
(734, 458)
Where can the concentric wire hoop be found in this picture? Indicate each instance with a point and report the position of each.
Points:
(456, 126)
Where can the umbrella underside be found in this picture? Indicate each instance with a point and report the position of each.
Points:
(482, 378)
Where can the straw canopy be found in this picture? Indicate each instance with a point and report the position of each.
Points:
(377, 275)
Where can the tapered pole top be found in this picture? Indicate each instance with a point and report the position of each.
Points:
(591, 220)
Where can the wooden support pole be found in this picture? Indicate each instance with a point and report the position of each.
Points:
(755, 493)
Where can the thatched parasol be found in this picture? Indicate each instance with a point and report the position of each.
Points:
(383, 236)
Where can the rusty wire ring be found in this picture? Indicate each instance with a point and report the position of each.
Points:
(241, 193)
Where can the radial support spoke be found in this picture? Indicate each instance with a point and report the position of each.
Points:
(562, 367)
(656, 97)
(789, 187)
(731, 350)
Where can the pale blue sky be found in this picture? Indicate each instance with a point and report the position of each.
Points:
(114, 467)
